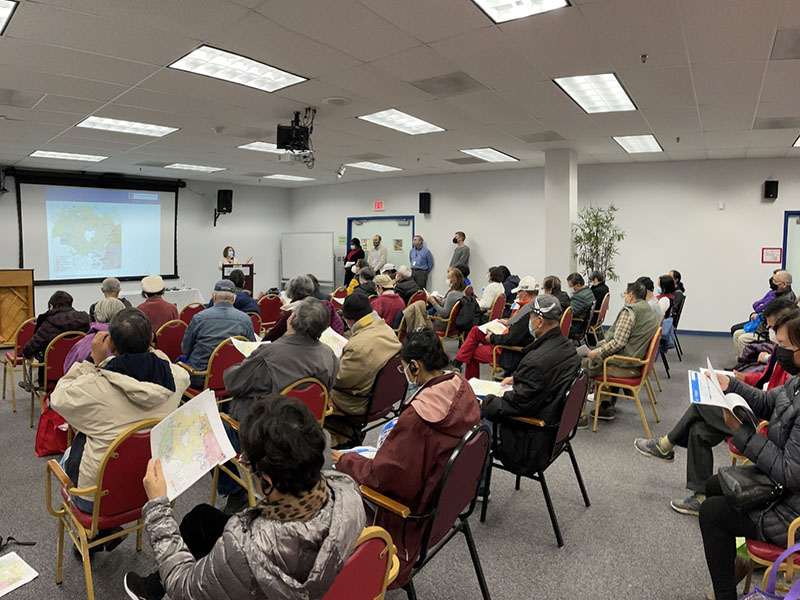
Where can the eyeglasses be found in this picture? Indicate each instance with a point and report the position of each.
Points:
(11, 540)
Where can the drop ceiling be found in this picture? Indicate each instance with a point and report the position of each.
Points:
(721, 79)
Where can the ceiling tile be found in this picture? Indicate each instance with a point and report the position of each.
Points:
(622, 123)
(369, 82)
(724, 118)
(21, 79)
(489, 107)
(430, 21)
(671, 86)
(77, 106)
(730, 83)
(417, 63)
(674, 120)
(782, 82)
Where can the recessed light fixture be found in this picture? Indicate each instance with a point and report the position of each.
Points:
(289, 177)
(126, 126)
(394, 119)
(201, 168)
(489, 155)
(633, 144)
(67, 156)
(227, 66)
(7, 8)
(597, 93)
(373, 166)
(262, 147)
(501, 11)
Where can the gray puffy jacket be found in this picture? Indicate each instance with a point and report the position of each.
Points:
(778, 454)
(257, 557)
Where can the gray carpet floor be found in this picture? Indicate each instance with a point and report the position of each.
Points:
(628, 544)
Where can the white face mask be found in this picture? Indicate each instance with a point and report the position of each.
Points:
(353, 269)
(772, 336)
(230, 253)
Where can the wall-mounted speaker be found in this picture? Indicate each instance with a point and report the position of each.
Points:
(770, 189)
(424, 203)
(224, 201)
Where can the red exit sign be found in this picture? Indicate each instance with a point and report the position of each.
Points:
(378, 205)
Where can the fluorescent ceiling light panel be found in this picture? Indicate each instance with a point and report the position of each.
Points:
(289, 177)
(489, 155)
(633, 144)
(236, 69)
(7, 8)
(394, 119)
(67, 156)
(501, 11)
(597, 93)
(263, 147)
(126, 126)
(373, 166)
(200, 168)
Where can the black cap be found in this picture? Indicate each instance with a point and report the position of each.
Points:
(356, 306)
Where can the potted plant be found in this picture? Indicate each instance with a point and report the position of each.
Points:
(596, 240)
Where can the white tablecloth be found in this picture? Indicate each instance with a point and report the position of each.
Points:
(179, 298)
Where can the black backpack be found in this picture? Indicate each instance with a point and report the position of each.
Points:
(467, 314)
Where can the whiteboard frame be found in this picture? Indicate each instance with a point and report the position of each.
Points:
(284, 280)
(380, 218)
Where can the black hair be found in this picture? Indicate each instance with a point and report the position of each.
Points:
(356, 242)
(362, 262)
(496, 274)
(130, 331)
(314, 280)
(281, 438)
(552, 283)
(647, 283)
(237, 278)
(506, 272)
(777, 306)
(464, 270)
(368, 273)
(599, 276)
(637, 289)
(423, 345)
(575, 279)
(60, 299)
(667, 284)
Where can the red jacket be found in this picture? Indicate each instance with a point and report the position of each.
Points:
(408, 465)
(777, 379)
(159, 311)
(387, 306)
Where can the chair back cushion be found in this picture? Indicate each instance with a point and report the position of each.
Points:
(312, 393)
(224, 356)
(469, 291)
(566, 321)
(123, 474)
(451, 329)
(601, 314)
(364, 574)
(56, 353)
(270, 308)
(24, 333)
(420, 295)
(389, 388)
(189, 311)
(652, 351)
(169, 338)
(497, 307)
(677, 307)
(576, 394)
(256, 319)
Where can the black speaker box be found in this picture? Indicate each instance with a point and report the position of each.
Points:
(424, 203)
(224, 201)
(771, 189)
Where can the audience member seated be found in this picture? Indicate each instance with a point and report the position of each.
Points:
(599, 289)
(651, 297)
(478, 347)
(409, 464)
(244, 301)
(104, 310)
(666, 295)
(775, 455)
(389, 269)
(356, 269)
(703, 427)
(676, 277)
(630, 335)
(441, 307)
(298, 288)
(110, 288)
(388, 304)
(781, 284)
(494, 279)
(353, 255)
(292, 545)
(539, 384)
(757, 354)
(211, 326)
(158, 310)
(366, 285)
(509, 283)
(759, 304)
(551, 285)
(317, 292)
(581, 301)
(102, 396)
(404, 283)
(465, 272)
(60, 317)
(369, 348)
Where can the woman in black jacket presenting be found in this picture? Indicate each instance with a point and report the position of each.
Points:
(777, 455)
(353, 255)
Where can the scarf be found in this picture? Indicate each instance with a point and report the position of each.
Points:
(293, 508)
(146, 367)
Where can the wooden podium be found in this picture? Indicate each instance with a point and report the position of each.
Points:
(16, 302)
(248, 270)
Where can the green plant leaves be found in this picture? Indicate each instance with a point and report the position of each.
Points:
(595, 238)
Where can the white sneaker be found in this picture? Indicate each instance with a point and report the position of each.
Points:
(590, 397)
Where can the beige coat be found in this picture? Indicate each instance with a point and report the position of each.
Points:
(373, 343)
(101, 404)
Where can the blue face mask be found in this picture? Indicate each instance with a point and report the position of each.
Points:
(658, 291)
(352, 246)
(530, 329)
(408, 379)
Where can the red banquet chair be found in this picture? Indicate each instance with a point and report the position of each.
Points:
(371, 567)
(450, 329)
(420, 295)
(13, 358)
(765, 554)
(53, 365)
(566, 321)
(189, 311)
(498, 305)
(596, 328)
(223, 356)
(169, 337)
(313, 393)
(256, 319)
(270, 308)
(118, 497)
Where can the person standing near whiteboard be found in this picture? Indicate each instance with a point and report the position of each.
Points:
(353, 255)
(461, 253)
(377, 256)
(421, 261)
(229, 258)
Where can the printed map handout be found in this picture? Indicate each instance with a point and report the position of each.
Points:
(496, 327)
(482, 387)
(334, 341)
(14, 573)
(246, 348)
(190, 442)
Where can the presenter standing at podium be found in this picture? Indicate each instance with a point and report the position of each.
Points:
(229, 258)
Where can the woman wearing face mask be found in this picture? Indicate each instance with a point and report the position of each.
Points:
(774, 454)
(408, 464)
(441, 307)
(229, 258)
(353, 255)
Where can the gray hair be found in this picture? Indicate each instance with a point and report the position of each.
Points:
(110, 285)
(367, 274)
(222, 296)
(106, 308)
(405, 271)
(311, 318)
(299, 287)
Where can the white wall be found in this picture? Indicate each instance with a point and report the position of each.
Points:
(259, 216)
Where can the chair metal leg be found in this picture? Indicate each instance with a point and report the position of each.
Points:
(578, 474)
(658, 382)
(551, 510)
(410, 591)
(597, 394)
(60, 552)
(32, 395)
(516, 485)
(652, 395)
(476, 562)
(641, 412)
(13, 392)
(87, 565)
(139, 536)
(666, 366)
(678, 348)
(486, 488)
(215, 478)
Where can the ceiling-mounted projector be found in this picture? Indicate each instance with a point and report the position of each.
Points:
(296, 139)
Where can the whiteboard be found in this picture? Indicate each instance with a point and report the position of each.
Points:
(396, 235)
(303, 253)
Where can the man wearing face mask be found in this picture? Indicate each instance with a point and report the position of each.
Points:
(548, 366)
(703, 427)
(461, 253)
(421, 261)
(377, 255)
(781, 285)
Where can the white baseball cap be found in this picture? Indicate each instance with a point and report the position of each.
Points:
(526, 284)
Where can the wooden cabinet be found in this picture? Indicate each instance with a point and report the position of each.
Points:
(16, 302)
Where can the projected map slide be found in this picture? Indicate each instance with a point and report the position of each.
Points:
(102, 233)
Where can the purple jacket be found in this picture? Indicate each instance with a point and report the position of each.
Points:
(83, 347)
(759, 305)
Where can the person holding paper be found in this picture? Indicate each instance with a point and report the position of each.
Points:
(774, 454)
(291, 545)
(441, 307)
(354, 253)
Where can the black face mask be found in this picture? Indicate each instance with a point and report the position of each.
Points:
(785, 359)
(455, 240)
(772, 285)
